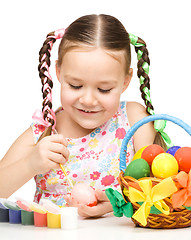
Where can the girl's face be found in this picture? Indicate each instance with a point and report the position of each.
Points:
(91, 85)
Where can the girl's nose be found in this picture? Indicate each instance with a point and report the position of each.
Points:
(88, 98)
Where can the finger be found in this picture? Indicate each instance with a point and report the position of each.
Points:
(66, 198)
(87, 212)
(70, 201)
(56, 157)
(101, 196)
(95, 211)
(59, 148)
(58, 138)
(51, 165)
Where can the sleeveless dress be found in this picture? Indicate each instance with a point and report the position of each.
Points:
(94, 159)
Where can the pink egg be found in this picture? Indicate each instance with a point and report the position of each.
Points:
(84, 194)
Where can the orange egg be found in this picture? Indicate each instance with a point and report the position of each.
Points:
(150, 152)
(183, 156)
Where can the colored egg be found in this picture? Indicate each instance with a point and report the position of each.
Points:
(150, 152)
(172, 150)
(138, 153)
(137, 169)
(164, 165)
(183, 156)
(84, 194)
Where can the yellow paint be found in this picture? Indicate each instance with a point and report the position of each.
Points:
(53, 220)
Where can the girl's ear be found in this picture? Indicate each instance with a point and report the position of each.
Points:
(127, 79)
(57, 71)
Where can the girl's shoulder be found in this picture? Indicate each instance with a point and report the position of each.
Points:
(145, 134)
(135, 112)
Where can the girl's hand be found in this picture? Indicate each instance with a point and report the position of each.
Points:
(103, 206)
(48, 153)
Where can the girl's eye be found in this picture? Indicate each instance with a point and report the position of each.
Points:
(75, 87)
(104, 90)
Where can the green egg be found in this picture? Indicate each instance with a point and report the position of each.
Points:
(137, 169)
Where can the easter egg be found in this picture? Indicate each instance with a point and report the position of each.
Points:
(137, 169)
(150, 152)
(84, 194)
(172, 150)
(164, 165)
(139, 153)
(183, 156)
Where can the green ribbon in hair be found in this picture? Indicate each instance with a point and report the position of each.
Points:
(159, 125)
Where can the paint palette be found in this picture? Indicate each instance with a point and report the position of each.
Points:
(45, 214)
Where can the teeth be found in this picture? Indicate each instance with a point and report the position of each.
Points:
(87, 111)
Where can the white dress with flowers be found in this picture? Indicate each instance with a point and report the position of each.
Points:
(94, 159)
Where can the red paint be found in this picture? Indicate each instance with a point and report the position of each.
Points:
(40, 219)
(92, 204)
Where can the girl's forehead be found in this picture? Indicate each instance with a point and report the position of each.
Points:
(118, 55)
(94, 57)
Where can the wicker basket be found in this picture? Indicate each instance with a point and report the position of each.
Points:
(179, 217)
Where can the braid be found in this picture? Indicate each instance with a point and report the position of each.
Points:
(46, 79)
(143, 67)
(143, 71)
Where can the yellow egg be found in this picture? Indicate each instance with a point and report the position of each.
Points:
(164, 165)
(138, 153)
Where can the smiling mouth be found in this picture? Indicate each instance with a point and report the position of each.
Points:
(87, 111)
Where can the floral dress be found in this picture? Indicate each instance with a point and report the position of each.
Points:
(94, 159)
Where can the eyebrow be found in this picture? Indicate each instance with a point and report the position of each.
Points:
(80, 80)
(73, 78)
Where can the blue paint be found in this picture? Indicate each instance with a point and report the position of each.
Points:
(14, 216)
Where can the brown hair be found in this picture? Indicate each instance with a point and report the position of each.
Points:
(93, 31)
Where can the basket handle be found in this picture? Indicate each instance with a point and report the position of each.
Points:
(133, 129)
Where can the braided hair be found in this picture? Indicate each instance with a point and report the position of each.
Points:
(93, 31)
(142, 73)
(44, 74)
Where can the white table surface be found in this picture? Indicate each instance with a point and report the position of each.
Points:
(107, 228)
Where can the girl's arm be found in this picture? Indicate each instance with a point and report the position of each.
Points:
(145, 135)
(24, 160)
(15, 169)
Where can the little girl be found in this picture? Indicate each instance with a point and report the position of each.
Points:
(93, 69)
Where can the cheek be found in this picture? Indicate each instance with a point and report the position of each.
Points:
(66, 97)
(112, 101)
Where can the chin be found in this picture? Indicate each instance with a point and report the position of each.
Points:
(90, 126)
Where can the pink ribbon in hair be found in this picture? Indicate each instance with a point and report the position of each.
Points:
(59, 33)
(38, 117)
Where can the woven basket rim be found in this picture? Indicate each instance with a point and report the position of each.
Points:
(181, 216)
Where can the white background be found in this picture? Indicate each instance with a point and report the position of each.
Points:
(164, 25)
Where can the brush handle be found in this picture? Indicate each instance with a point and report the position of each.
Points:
(65, 173)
